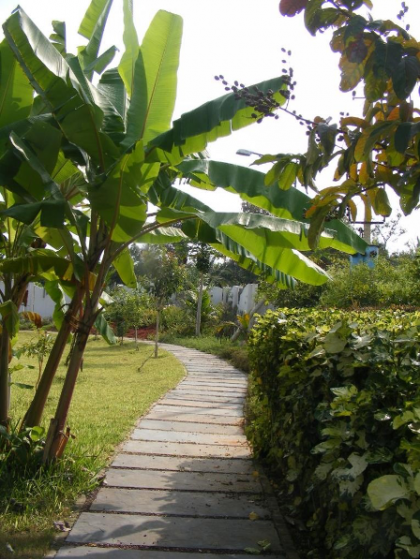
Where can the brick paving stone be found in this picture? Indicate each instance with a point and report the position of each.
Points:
(193, 427)
(186, 437)
(172, 532)
(187, 464)
(180, 415)
(185, 449)
(170, 502)
(185, 480)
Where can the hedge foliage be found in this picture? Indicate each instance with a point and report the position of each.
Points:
(335, 411)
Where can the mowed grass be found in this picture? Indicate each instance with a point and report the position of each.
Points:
(117, 385)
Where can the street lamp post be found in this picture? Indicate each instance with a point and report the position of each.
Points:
(247, 153)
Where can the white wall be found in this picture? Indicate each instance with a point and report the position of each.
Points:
(243, 298)
(38, 301)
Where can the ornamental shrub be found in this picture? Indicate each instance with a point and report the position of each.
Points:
(335, 412)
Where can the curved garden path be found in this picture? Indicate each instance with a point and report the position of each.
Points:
(184, 485)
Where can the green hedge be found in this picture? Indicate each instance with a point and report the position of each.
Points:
(335, 411)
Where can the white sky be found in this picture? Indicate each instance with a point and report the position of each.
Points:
(241, 39)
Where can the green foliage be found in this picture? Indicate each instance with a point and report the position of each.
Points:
(130, 309)
(208, 311)
(38, 347)
(20, 451)
(303, 295)
(163, 275)
(335, 411)
(177, 321)
(378, 148)
(229, 273)
(383, 285)
(391, 282)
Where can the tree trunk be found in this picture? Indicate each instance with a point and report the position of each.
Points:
(4, 377)
(56, 436)
(15, 293)
(157, 332)
(199, 306)
(34, 413)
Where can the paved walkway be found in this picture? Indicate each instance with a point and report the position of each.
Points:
(184, 484)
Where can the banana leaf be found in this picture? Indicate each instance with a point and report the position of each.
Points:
(249, 184)
(191, 133)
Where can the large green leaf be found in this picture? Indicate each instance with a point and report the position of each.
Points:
(16, 96)
(201, 231)
(249, 184)
(112, 88)
(272, 241)
(124, 265)
(92, 27)
(56, 293)
(155, 79)
(386, 490)
(270, 230)
(41, 263)
(10, 317)
(58, 38)
(53, 79)
(39, 149)
(110, 95)
(92, 15)
(194, 130)
(103, 61)
(162, 235)
(131, 43)
(120, 200)
(52, 206)
(104, 329)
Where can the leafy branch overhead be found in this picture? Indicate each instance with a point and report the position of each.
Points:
(377, 149)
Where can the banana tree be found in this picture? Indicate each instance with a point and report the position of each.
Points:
(22, 258)
(118, 134)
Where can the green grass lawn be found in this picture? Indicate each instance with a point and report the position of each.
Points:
(117, 385)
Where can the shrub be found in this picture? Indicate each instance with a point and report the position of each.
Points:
(177, 321)
(335, 411)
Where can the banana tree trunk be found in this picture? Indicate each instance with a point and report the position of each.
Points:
(4, 377)
(56, 437)
(34, 413)
(199, 306)
(157, 331)
(15, 293)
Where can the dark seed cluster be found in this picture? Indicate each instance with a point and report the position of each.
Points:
(263, 103)
(401, 14)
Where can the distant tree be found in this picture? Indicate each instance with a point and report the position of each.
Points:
(203, 257)
(391, 229)
(383, 285)
(229, 273)
(163, 277)
(302, 296)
